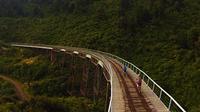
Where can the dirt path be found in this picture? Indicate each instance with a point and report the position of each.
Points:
(18, 88)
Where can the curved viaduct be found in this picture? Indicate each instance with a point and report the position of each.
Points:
(123, 94)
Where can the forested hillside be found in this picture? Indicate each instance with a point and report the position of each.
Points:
(162, 37)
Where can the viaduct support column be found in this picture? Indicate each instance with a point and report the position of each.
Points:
(96, 82)
(52, 56)
(84, 81)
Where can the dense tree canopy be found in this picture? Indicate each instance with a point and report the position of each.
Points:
(160, 36)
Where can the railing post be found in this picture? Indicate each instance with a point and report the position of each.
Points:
(160, 94)
(170, 103)
(148, 82)
(153, 87)
(143, 77)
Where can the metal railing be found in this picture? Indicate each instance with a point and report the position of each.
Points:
(167, 99)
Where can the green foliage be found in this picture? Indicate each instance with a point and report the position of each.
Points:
(162, 37)
(50, 87)
(9, 107)
(6, 89)
(24, 8)
(53, 104)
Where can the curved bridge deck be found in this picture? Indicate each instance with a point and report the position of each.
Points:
(125, 96)
(129, 99)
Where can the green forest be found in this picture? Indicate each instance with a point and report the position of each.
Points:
(162, 37)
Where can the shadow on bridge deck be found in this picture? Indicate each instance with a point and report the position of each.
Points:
(149, 95)
(126, 97)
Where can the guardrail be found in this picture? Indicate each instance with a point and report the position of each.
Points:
(167, 99)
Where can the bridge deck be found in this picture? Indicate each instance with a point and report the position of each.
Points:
(118, 104)
(150, 95)
(126, 97)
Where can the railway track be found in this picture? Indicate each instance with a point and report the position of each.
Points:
(134, 101)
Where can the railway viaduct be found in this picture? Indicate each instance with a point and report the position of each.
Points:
(122, 94)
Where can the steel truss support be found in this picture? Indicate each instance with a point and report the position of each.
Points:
(52, 56)
(73, 73)
(62, 57)
(63, 60)
(84, 81)
(96, 82)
